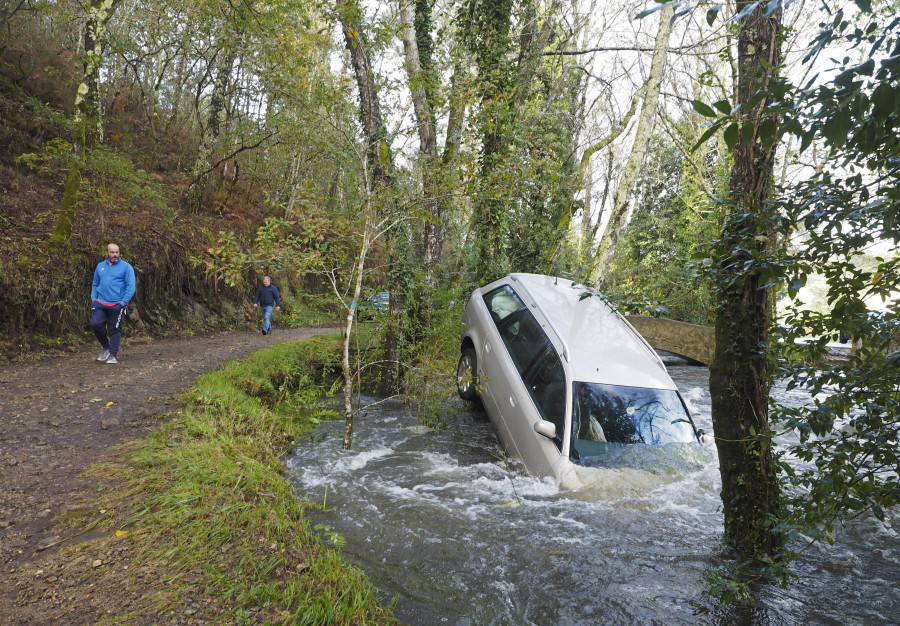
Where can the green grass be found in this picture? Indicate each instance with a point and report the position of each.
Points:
(213, 512)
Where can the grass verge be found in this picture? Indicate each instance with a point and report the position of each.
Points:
(212, 519)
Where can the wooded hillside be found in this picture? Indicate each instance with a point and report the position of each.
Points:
(215, 143)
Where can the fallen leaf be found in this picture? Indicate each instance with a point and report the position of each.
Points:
(96, 399)
(149, 399)
(97, 563)
(120, 533)
(110, 403)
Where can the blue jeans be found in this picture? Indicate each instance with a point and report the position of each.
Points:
(111, 317)
(267, 317)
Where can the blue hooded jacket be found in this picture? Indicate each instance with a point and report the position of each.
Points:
(113, 284)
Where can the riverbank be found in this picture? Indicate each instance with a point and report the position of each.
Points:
(123, 503)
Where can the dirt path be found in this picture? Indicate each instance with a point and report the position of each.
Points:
(60, 414)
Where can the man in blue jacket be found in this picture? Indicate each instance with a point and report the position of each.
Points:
(267, 298)
(113, 289)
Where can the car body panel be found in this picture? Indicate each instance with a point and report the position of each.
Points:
(607, 348)
(534, 336)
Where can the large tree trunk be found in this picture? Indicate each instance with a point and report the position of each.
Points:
(641, 139)
(456, 124)
(421, 82)
(417, 48)
(489, 24)
(378, 149)
(739, 373)
(532, 42)
(420, 79)
(88, 116)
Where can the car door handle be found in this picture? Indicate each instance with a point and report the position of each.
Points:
(487, 346)
(512, 401)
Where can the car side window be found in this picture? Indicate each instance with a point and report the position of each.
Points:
(524, 338)
(502, 302)
(520, 331)
(546, 382)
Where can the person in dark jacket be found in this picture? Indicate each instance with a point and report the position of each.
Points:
(114, 286)
(266, 299)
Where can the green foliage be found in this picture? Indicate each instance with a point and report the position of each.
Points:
(309, 309)
(668, 234)
(292, 246)
(431, 379)
(847, 447)
(51, 161)
(114, 184)
(485, 26)
(540, 178)
(849, 436)
(210, 489)
(108, 177)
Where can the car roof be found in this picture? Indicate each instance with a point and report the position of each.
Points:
(599, 344)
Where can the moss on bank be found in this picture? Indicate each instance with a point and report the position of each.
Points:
(211, 513)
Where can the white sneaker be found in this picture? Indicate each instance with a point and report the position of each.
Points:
(103, 355)
(111, 360)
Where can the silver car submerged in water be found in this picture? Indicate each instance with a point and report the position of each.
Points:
(566, 380)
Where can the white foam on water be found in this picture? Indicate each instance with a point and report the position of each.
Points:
(467, 537)
(695, 399)
(361, 459)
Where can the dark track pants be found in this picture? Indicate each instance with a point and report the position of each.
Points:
(108, 316)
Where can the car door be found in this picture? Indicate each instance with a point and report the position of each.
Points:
(495, 365)
(537, 390)
(545, 381)
(525, 379)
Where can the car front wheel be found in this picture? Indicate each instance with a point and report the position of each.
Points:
(466, 380)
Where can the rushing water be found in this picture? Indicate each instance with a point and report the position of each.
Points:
(459, 535)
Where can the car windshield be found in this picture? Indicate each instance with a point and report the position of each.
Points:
(607, 416)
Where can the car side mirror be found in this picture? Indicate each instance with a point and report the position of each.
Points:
(545, 428)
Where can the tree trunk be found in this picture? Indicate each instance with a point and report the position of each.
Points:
(419, 81)
(378, 148)
(489, 25)
(89, 106)
(88, 117)
(380, 160)
(456, 124)
(347, 441)
(583, 177)
(620, 205)
(532, 42)
(739, 377)
(200, 175)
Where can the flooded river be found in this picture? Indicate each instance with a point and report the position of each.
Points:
(460, 535)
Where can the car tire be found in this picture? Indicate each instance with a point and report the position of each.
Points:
(466, 378)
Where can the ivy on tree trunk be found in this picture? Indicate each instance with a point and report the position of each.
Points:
(739, 375)
(88, 117)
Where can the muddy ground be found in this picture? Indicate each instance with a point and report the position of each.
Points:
(60, 414)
